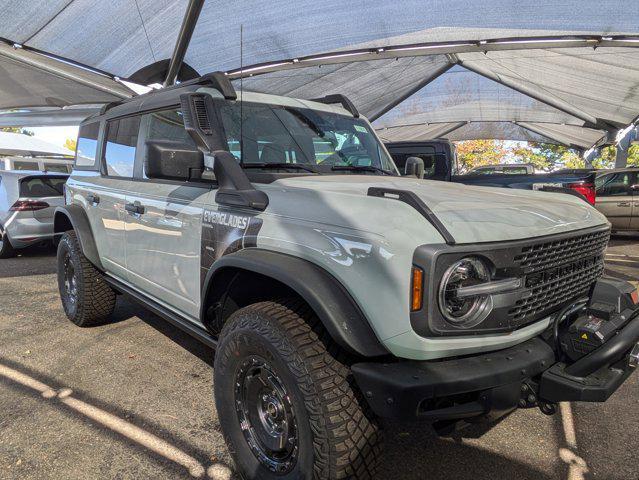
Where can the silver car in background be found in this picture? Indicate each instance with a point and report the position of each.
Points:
(28, 200)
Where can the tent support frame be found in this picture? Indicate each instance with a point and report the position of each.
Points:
(544, 134)
(184, 38)
(438, 73)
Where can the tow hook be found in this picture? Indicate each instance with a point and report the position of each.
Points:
(633, 358)
(529, 399)
(548, 408)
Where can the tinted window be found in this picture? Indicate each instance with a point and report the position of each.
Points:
(169, 125)
(35, 187)
(435, 165)
(615, 184)
(57, 167)
(20, 165)
(122, 138)
(87, 145)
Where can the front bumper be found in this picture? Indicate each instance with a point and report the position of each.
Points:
(493, 384)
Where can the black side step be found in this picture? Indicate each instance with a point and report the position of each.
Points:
(414, 201)
(168, 315)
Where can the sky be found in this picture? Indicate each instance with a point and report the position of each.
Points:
(55, 135)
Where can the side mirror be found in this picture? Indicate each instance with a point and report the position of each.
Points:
(414, 167)
(170, 160)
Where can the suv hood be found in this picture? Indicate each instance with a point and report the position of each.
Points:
(470, 214)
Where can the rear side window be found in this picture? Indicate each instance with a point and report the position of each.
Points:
(37, 187)
(20, 165)
(87, 145)
(121, 142)
(57, 167)
(169, 125)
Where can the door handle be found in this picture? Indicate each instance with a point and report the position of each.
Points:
(134, 208)
(93, 198)
(623, 204)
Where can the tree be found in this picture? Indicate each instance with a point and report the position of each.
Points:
(473, 153)
(17, 130)
(70, 144)
(547, 156)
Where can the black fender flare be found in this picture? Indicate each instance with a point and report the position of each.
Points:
(334, 306)
(77, 217)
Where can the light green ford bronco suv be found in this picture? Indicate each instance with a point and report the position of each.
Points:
(335, 290)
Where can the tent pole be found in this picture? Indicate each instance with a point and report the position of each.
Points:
(543, 134)
(439, 72)
(184, 38)
(451, 128)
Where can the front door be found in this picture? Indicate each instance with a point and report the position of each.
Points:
(615, 198)
(164, 226)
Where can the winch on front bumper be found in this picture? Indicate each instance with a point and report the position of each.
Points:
(585, 358)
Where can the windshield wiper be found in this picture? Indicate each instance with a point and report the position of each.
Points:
(294, 166)
(362, 168)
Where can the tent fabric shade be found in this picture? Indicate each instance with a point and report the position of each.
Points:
(564, 72)
(122, 36)
(24, 145)
(28, 79)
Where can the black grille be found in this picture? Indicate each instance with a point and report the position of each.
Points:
(558, 271)
(541, 256)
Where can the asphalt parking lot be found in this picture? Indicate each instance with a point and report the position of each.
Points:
(133, 399)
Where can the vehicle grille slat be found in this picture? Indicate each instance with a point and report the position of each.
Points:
(556, 272)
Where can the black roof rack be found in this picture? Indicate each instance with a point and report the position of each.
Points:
(341, 99)
(217, 80)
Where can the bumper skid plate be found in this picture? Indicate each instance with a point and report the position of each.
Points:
(490, 384)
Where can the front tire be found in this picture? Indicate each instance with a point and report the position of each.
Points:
(286, 402)
(86, 298)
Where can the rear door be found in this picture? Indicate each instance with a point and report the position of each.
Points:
(103, 193)
(615, 198)
(164, 236)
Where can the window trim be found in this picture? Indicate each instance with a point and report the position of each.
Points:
(96, 160)
(105, 133)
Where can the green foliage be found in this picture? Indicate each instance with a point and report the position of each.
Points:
(23, 131)
(473, 153)
(543, 156)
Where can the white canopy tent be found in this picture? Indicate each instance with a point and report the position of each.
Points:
(562, 72)
(27, 146)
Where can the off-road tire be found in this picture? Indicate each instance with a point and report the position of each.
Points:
(6, 250)
(338, 436)
(95, 299)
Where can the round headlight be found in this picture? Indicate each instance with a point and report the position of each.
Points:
(464, 311)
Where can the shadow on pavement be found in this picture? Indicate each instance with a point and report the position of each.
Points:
(416, 452)
(126, 309)
(140, 433)
(36, 260)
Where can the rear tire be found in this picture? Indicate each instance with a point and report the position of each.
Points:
(307, 419)
(86, 298)
(6, 250)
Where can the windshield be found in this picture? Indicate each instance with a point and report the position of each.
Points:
(302, 139)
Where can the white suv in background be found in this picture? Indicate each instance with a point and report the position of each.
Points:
(27, 203)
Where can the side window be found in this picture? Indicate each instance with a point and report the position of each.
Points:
(169, 125)
(121, 142)
(87, 145)
(20, 165)
(615, 184)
